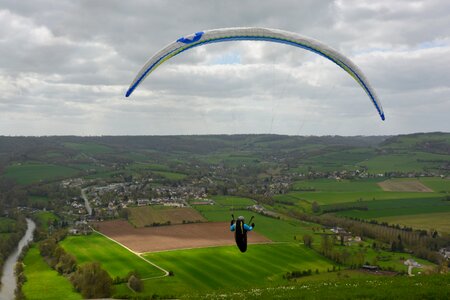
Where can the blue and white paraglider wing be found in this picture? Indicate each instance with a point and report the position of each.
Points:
(256, 34)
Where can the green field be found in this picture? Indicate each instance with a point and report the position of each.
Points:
(331, 191)
(31, 172)
(439, 221)
(324, 198)
(233, 201)
(221, 267)
(45, 218)
(412, 161)
(343, 185)
(336, 160)
(345, 285)
(148, 215)
(274, 229)
(44, 282)
(399, 207)
(439, 185)
(115, 259)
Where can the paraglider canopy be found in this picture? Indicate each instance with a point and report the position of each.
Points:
(256, 34)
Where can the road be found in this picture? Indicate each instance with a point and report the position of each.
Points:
(86, 202)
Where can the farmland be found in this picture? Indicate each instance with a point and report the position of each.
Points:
(233, 201)
(439, 185)
(342, 197)
(405, 185)
(148, 215)
(330, 191)
(399, 207)
(44, 282)
(115, 259)
(414, 161)
(429, 221)
(274, 229)
(198, 269)
(171, 237)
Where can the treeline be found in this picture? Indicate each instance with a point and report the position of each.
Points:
(89, 279)
(342, 207)
(420, 243)
(10, 237)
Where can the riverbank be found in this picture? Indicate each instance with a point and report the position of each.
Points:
(8, 278)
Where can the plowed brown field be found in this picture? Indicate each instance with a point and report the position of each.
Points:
(151, 239)
(404, 186)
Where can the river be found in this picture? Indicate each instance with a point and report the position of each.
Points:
(9, 279)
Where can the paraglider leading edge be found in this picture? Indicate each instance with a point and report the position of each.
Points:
(256, 34)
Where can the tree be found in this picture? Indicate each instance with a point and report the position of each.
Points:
(135, 283)
(315, 207)
(307, 240)
(326, 245)
(400, 247)
(393, 246)
(92, 281)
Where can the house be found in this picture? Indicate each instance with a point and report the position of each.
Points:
(445, 252)
(143, 202)
(370, 268)
(412, 262)
(338, 230)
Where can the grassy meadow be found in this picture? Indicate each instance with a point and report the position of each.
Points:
(345, 285)
(439, 221)
(43, 282)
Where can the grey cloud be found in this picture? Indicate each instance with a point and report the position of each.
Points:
(66, 65)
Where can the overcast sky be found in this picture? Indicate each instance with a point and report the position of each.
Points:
(65, 66)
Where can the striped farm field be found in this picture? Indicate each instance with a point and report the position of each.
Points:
(115, 259)
(226, 267)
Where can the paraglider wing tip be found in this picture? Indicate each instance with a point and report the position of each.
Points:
(382, 117)
(128, 92)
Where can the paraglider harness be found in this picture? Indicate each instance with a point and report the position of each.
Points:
(240, 234)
